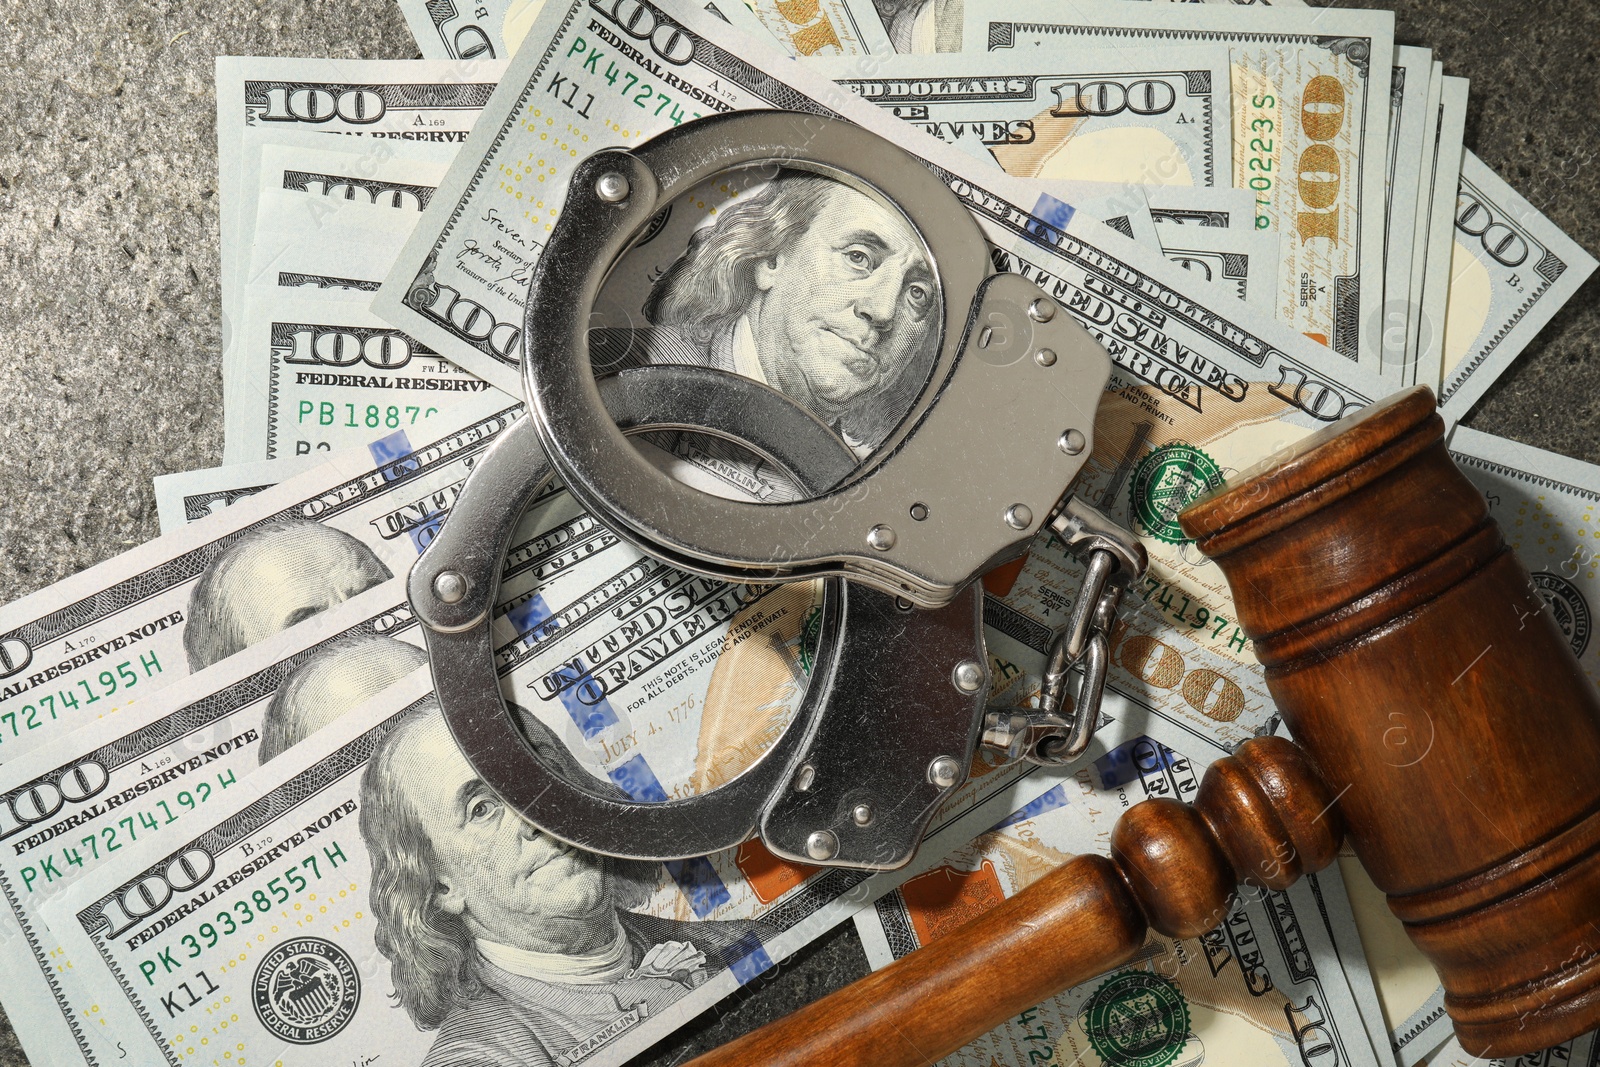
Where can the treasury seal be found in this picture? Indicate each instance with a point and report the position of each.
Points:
(1568, 606)
(1137, 1019)
(1163, 484)
(306, 990)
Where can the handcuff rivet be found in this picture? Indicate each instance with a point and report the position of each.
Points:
(1072, 442)
(450, 587)
(822, 845)
(1019, 516)
(861, 814)
(612, 187)
(968, 676)
(1042, 310)
(1045, 357)
(881, 537)
(919, 511)
(804, 777)
(943, 772)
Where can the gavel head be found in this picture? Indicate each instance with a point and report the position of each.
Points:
(1407, 649)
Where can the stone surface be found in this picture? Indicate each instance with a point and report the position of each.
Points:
(110, 317)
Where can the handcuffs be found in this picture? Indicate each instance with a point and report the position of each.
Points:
(895, 709)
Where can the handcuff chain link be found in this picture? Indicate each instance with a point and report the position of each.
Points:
(1061, 728)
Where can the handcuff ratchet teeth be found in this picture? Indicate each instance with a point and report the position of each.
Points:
(978, 467)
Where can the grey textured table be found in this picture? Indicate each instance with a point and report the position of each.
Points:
(109, 306)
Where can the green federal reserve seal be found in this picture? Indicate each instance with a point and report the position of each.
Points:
(1164, 483)
(1137, 1019)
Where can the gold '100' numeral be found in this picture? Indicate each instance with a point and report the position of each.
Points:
(1322, 114)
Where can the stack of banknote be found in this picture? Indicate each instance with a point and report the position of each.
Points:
(1265, 214)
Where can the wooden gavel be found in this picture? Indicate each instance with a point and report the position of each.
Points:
(1429, 695)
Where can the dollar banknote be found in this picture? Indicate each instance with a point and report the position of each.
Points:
(923, 27)
(1448, 155)
(1510, 271)
(1579, 1052)
(446, 29)
(1222, 207)
(1165, 120)
(189, 496)
(126, 627)
(302, 188)
(1242, 261)
(1409, 167)
(70, 807)
(1265, 986)
(323, 374)
(378, 100)
(1415, 341)
(1310, 113)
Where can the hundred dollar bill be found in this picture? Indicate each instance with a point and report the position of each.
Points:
(1310, 114)
(305, 181)
(923, 27)
(1416, 342)
(1265, 986)
(1242, 261)
(1448, 155)
(1409, 167)
(1581, 1051)
(72, 806)
(409, 100)
(190, 496)
(1511, 270)
(1413, 1023)
(321, 375)
(303, 186)
(1222, 207)
(494, 29)
(1163, 121)
(1548, 507)
(1201, 386)
(128, 626)
(292, 906)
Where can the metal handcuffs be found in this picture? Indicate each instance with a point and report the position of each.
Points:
(895, 707)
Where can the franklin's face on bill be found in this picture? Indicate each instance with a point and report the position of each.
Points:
(507, 881)
(844, 304)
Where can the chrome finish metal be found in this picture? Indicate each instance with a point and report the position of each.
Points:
(969, 676)
(822, 845)
(1019, 516)
(953, 417)
(1045, 357)
(611, 187)
(450, 587)
(1072, 442)
(882, 674)
(945, 772)
(1062, 727)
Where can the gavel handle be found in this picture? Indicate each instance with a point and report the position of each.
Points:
(1261, 816)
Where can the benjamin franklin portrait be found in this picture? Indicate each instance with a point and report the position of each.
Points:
(342, 676)
(808, 286)
(270, 578)
(517, 948)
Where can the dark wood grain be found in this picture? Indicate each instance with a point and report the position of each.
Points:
(1435, 703)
